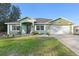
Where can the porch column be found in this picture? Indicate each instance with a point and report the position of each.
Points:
(8, 29)
(32, 28)
(71, 29)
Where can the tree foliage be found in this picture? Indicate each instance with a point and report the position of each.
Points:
(4, 11)
(8, 13)
(15, 13)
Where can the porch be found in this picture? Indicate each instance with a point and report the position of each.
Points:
(26, 28)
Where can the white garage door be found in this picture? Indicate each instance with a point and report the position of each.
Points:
(59, 29)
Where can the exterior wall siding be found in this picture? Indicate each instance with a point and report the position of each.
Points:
(42, 31)
(23, 29)
(60, 22)
(45, 31)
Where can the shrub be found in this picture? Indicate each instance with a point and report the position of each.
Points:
(48, 33)
(35, 33)
(12, 33)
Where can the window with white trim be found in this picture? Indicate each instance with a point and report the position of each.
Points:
(15, 27)
(40, 27)
(37, 27)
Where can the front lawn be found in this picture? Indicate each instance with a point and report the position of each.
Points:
(37, 46)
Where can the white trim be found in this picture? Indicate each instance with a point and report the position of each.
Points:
(31, 20)
(44, 27)
(62, 18)
(8, 29)
(12, 23)
(35, 28)
(72, 29)
(15, 29)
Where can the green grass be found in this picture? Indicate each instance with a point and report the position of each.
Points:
(36, 46)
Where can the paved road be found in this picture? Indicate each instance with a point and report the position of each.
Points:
(71, 41)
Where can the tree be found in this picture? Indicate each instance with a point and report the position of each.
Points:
(4, 11)
(8, 13)
(15, 13)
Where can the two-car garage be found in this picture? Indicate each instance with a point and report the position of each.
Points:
(59, 29)
(61, 26)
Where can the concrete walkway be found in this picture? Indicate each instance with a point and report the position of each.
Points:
(71, 41)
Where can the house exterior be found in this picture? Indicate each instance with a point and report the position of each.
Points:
(28, 25)
(76, 29)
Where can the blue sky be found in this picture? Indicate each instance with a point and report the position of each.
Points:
(50, 10)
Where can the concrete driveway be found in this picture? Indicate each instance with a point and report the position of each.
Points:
(71, 41)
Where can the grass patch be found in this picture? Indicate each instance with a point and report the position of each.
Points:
(37, 46)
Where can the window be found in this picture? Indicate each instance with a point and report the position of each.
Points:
(14, 27)
(39, 27)
(18, 27)
(76, 30)
(42, 27)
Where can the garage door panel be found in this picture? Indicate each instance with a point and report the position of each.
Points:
(59, 29)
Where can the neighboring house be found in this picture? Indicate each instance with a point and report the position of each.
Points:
(76, 29)
(28, 25)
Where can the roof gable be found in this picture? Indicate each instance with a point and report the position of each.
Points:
(61, 21)
(27, 19)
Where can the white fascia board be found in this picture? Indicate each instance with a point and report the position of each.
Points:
(12, 23)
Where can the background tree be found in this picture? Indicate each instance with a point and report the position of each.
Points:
(4, 11)
(8, 13)
(15, 13)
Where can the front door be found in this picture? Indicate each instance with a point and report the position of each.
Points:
(28, 27)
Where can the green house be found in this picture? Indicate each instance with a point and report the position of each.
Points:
(28, 25)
